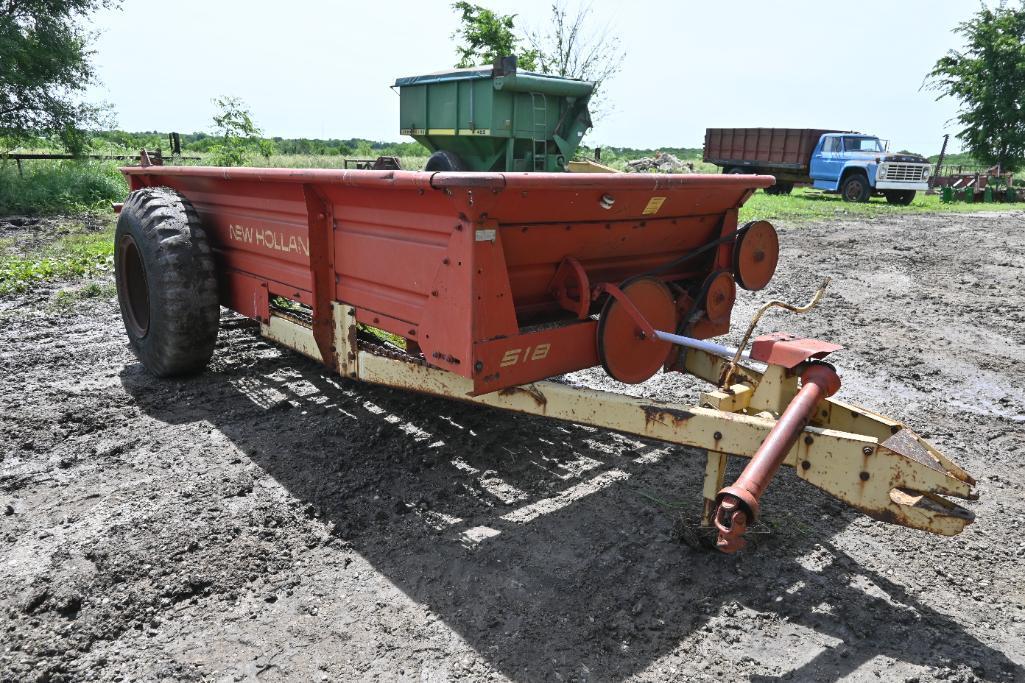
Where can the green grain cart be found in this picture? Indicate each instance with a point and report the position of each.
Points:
(495, 118)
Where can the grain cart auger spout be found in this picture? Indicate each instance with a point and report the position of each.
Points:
(486, 284)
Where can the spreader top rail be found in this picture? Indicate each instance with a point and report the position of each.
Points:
(426, 180)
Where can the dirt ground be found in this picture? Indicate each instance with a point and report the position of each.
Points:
(266, 520)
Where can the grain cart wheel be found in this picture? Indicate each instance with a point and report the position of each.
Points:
(165, 282)
(855, 188)
(900, 197)
(444, 161)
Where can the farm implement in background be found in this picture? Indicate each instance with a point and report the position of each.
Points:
(487, 284)
(974, 185)
(982, 186)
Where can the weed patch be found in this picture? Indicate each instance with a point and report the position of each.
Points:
(49, 187)
(72, 256)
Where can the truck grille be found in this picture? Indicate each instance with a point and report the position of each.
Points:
(910, 173)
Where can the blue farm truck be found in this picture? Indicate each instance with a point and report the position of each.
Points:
(856, 166)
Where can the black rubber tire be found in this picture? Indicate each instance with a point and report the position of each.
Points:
(166, 282)
(855, 188)
(736, 170)
(900, 197)
(444, 162)
(780, 188)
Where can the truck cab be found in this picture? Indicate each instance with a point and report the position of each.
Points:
(859, 166)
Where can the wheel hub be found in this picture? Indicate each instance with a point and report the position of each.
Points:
(132, 284)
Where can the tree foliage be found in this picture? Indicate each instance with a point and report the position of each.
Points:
(486, 35)
(988, 77)
(44, 67)
(239, 137)
(572, 46)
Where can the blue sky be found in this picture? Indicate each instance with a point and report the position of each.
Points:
(322, 69)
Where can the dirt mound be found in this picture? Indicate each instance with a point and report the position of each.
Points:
(662, 162)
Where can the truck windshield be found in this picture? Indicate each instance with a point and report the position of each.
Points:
(862, 144)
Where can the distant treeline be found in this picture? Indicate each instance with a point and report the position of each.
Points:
(119, 141)
(202, 142)
(199, 143)
(614, 153)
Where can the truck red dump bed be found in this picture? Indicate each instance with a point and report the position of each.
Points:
(462, 265)
(788, 148)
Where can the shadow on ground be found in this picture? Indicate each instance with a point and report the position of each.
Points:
(551, 548)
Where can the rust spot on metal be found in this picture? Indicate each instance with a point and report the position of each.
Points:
(905, 443)
(530, 391)
(659, 413)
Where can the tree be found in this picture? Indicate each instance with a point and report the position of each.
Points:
(486, 36)
(572, 47)
(239, 135)
(44, 66)
(988, 77)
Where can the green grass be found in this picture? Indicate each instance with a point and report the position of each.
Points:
(50, 187)
(69, 187)
(806, 204)
(66, 299)
(320, 161)
(76, 255)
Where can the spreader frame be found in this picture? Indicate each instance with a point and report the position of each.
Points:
(847, 451)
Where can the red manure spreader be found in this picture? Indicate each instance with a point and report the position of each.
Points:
(487, 284)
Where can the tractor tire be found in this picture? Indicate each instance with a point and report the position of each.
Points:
(166, 282)
(855, 188)
(445, 162)
(737, 170)
(900, 197)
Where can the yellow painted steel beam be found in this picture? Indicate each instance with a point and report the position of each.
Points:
(870, 462)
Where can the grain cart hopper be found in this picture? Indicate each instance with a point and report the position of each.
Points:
(495, 118)
(495, 282)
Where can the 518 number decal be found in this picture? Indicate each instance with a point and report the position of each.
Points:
(514, 356)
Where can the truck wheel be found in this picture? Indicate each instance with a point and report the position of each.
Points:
(443, 161)
(900, 197)
(166, 283)
(780, 188)
(855, 188)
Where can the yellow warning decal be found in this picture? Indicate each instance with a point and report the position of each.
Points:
(654, 204)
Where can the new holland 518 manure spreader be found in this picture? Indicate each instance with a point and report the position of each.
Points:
(498, 280)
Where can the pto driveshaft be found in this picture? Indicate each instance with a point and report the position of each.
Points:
(738, 504)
